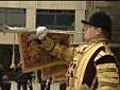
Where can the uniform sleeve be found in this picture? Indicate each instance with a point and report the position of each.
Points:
(56, 49)
(107, 74)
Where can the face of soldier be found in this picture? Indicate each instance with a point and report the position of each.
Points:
(91, 32)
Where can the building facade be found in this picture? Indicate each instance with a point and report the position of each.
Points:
(53, 14)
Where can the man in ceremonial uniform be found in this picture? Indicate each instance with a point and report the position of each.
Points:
(94, 66)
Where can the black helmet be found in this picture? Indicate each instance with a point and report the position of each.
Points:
(99, 19)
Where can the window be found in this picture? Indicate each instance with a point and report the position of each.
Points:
(12, 17)
(56, 19)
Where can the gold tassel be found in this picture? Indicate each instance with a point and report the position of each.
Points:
(13, 55)
(36, 77)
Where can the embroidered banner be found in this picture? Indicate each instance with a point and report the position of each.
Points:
(33, 57)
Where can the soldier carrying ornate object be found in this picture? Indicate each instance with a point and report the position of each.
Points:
(93, 68)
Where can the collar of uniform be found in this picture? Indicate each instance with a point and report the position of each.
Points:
(97, 39)
(93, 41)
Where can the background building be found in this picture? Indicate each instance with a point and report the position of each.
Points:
(65, 15)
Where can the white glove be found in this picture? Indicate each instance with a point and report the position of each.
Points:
(41, 32)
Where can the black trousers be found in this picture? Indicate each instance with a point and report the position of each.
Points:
(24, 85)
(6, 86)
(62, 86)
(21, 85)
